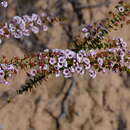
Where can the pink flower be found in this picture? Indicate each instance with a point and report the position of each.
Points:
(92, 73)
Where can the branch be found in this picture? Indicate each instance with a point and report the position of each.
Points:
(65, 102)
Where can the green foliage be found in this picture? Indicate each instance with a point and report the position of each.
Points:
(30, 83)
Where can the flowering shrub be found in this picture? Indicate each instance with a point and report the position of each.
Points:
(92, 50)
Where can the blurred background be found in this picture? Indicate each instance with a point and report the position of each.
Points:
(80, 103)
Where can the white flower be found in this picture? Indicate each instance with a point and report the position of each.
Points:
(12, 29)
(67, 73)
(49, 18)
(2, 74)
(71, 55)
(17, 19)
(35, 29)
(72, 69)
(26, 32)
(45, 67)
(39, 21)
(92, 52)
(0, 41)
(87, 66)
(84, 30)
(17, 35)
(1, 31)
(100, 61)
(86, 60)
(121, 9)
(103, 70)
(33, 72)
(92, 73)
(34, 17)
(79, 57)
(68, 53)
(45, 28)
(87, 34)
(59, 65)
(10, 67)
(129, 66)
(83, 52)
(22, 25)
(43, 14)
(65, 64)
(112, 50)
(27, 18)
(3, 66)
(61, 59)
(79, 70)
(52, 61)
(58, 73)
(46, 50)
(124, 44)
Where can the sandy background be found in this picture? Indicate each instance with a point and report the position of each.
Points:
(80, 103)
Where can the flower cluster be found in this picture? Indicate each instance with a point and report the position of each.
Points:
(6, 71)
(20, 26)
(93, 34)
(4, 4)
(93, 53)
(68, 62)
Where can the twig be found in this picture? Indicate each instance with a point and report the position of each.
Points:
(98, 5)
